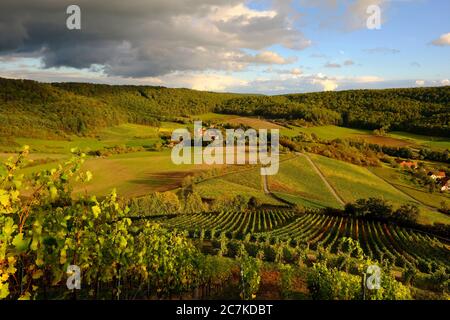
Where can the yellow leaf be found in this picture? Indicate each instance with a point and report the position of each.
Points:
(37, 274)
(96, 211)
(88, 176)
(4, 198)
(25, 296)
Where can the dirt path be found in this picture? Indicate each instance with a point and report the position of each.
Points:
(266, 184)
(325, 181)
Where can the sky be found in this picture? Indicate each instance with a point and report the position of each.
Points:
(255, 46)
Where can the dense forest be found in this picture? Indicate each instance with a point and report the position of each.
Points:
(33, 109)
(43, 110)
(418, 110)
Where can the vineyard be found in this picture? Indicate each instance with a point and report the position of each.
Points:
(379, 240)
(233, 224)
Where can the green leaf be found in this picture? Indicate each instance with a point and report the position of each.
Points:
(9, 227)
(20, 243)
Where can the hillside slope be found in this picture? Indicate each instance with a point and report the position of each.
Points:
(46, 110)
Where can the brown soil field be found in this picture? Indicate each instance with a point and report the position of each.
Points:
(384, 141)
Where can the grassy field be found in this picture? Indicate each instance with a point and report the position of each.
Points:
(297, 182)
(139, 173)
(401, 180)
(397, 139)
(353, 182)
(129, 135)
(247, 183)
(325, 132)
(427, 141)
(214, 117)
(132, 174)
(255, 123)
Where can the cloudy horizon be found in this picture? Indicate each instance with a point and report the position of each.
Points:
(267, 46)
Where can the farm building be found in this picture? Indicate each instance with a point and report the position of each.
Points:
(407, 164)
(436, 175)
(445, 185)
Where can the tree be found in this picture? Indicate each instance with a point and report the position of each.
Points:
(194, 204)
(407, 213)
(370, 208)
(254, 202)
(445, 208)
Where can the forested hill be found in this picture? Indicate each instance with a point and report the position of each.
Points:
(33, 109)
(417, 110)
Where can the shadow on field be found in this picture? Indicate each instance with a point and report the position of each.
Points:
(162, 181)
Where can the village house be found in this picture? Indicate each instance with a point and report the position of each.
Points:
(407, 164)
(436, 175)
(445, 185)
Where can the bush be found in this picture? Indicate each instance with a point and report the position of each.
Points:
(407, 213)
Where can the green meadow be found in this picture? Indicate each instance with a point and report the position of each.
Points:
(426, 141)
(247, 183)
(128, 135)
(139, 173)
(354, 182)
(329, 132)
(401, 180)
(395, 138)
(297, 182)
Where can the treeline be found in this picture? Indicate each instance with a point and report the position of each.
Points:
(44, 110)
(350, 151)
(30, 108)
(418, 110)
(279, 108)
(406, 152)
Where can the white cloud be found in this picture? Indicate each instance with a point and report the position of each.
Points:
(269, 57)
(420, 82)
(443, 40)
(204, 82)
(327, 84)
(445, 82)
(296, 71)
(228, 13)
(366, 79)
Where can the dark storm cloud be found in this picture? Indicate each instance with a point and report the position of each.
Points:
(140, 38)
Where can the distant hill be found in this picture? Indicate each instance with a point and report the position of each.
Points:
(417, 110)
(46, 110)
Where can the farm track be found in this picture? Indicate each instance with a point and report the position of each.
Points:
(323, 178)
(406, 194)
